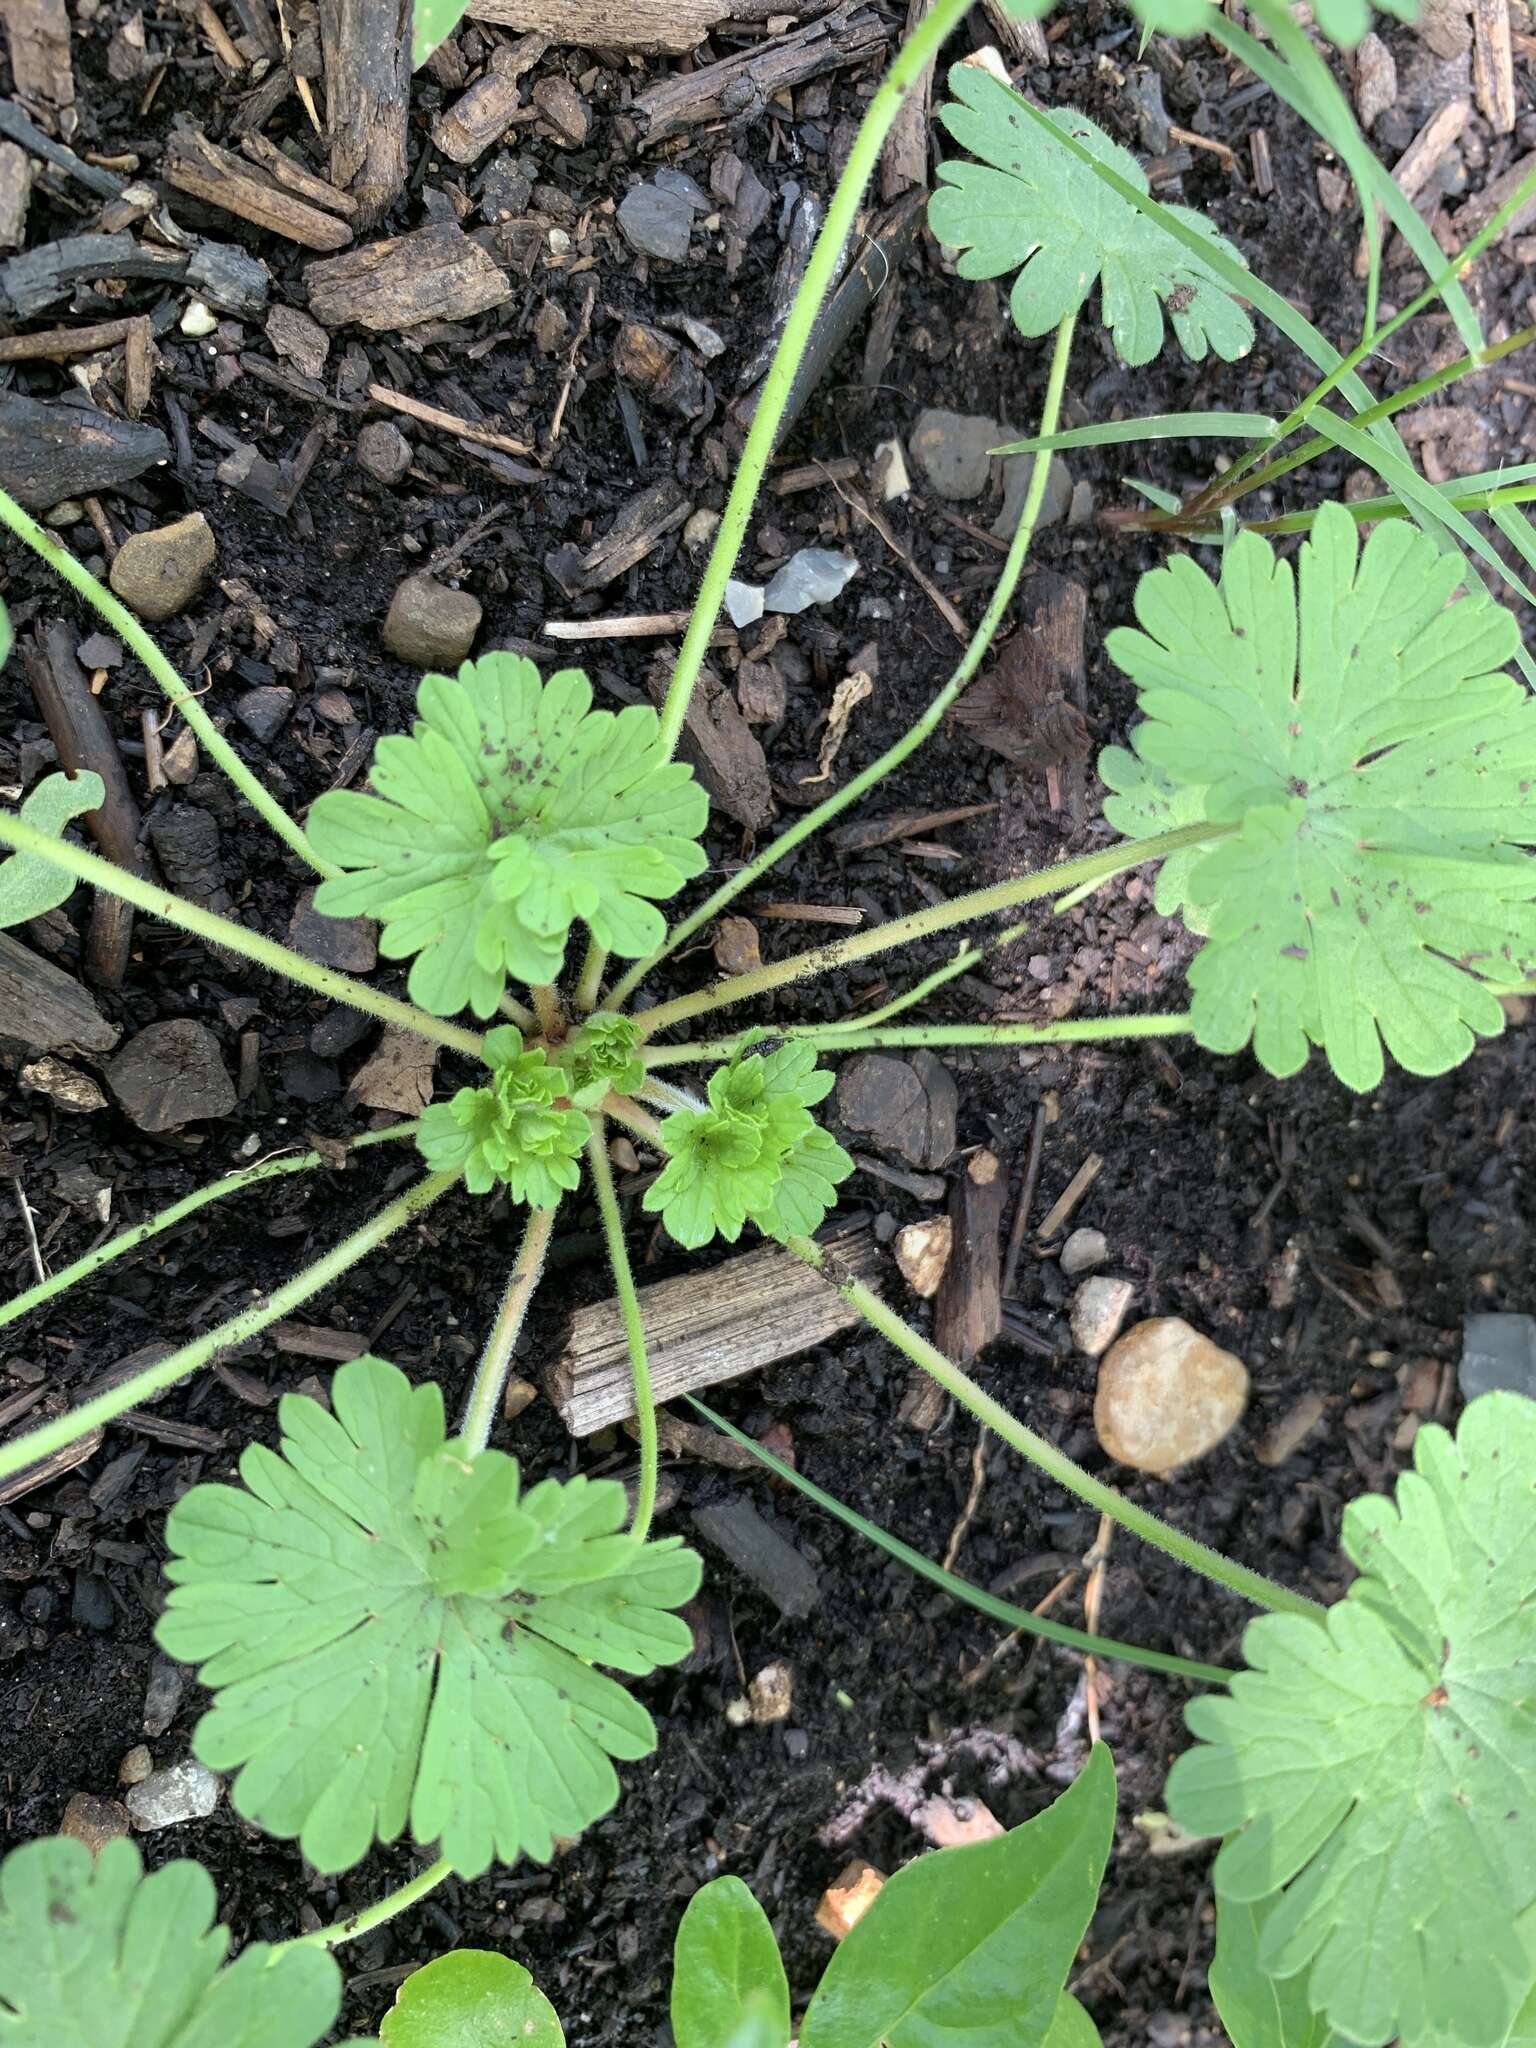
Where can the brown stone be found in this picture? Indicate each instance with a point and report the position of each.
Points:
(1167, 1395)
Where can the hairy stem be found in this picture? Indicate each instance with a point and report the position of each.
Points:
(919, 50)
(123, 622)
(1151, 1528)
(922, 924)
(589, 982)
(813, 821)
(548, 1015)
(223, 931)
(634, 1327)
(140, 1233)
(496, 1359)
(838, 1038)
(68, 1428)
(368, 1917)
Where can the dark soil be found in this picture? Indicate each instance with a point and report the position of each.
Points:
(1335, 1242)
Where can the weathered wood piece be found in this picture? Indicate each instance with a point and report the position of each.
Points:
(1480, 209)
(722, 749)
(648, 28)
(636, 529)
(366, 48)
(904, 159)
(46, 1009)
(57, 344)
(15, 194)
(196, 165)
(48, 1469)
(739, 88)
(1419, 161)
(17, 125)
(282, 170)
(435, 273)
(41, 65)
(968, 1312)
(226, 277)
(51, 452)
(704, 1328)
(1493, 64)
(490, 106)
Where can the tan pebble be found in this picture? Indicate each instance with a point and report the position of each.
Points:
(922, 1253)
(94, 1821)
(1167, 1395)
(849, 1897)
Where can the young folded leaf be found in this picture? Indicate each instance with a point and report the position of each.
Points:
(29, 885)
(1378, 769)
(512, 810)
(1030, 202)
(394, 1632)
(602, 1056)
(1380, 1766)
(755, 1152)
(94, 1954)
(509, 1130)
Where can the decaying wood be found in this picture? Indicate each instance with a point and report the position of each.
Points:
(196, 165)
(1493, 64)
(435, 273)
(282, 170)
(1479, 210)
(46, 1009)
(648, 28)
(723, 750)
(17, 125)
(739, 88)
(449, 422)
(41, 66)
(703, 1328)
(222, 275)
(366, 47)
(968, 1312)
(1023, 42)
(51, 1468)
(636, 528)
(490, 106)
(1028, 706)
(1418, 162)
(49, 452)
(15, 194)
(904, 159)
(57, 344)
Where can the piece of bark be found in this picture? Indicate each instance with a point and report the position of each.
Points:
(703, 1328)
(1419, 161)
(722, 748)
(1479, 210)
(662, 368)
(225, 277)
(758, 1551)
(968, 1312)
(17, 125)
(1493, 64)
(48, 1469)
(46, 1009)
(739, 88)
(50, 452)
(41, 66)
(1027, 707)
(904, 159)
(636, 529)
(1022, 42)
(646, 28)
(15, 194)
(57, 344)
(293, 177)
(487, 110)
(196, 165)
(366, 48)
(434, 273)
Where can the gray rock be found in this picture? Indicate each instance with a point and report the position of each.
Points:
(171, 1074)
(810, 576)
(1055, 505)
(743, 602)
(669, 179)
(84, 1189)
(954, 450)
(162, 1696)
(762, 1554)
(1498, 1350)
(907, 1106)
(383, 451)
(265, 711)
(188, 1791)
(657, 222)
(430, 626)
(157, 574)
(349, 944)
(1082, 1252)
(100, 650)
(61, 450)
(338, 1031)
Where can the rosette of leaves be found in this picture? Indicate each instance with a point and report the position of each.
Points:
(1376, 1770)
(94, 1954)
(1029, 201)
(756, 1152)
(396, 1634)
(1371, 770)
(602, 1056)
(518, 1128)
(512, 810)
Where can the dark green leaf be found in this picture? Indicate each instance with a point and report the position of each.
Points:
(472, 1998)
(726, 1970)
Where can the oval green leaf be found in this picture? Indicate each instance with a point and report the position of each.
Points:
(1257, 2010)
(970, 1948)
(473, 1998)
(727, 1977)
(29, 884)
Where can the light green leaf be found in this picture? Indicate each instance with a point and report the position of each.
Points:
(1072, 2026)
(1342, 21)
(93, 1954)
(509, 1132)
(392, 1633)
(511, 811)
(1031, 201)
(970, 1948)
(1162, 426)
(434, 21)
(726, 1969)
(472, 1998)
(1377, 767)
(1377, 1770)
(1259, 2011)
(7, 637)
(30, 885)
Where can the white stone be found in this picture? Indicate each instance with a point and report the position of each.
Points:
(810, 576)
(700, 530)
(1100, 1308)
(1167, 1395)
(1082, 1252)
(188, 1791)
(922, 1253)
(198, 320)
(889, 469)
(772, 1694)
(744, 602)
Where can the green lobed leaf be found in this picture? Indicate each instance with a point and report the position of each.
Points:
(94, 1954)
(30, 885)
(394, 1634)
(1257, 2010)
(726, 1969)
(1032, 202)
(1343, 21)
(1377, 766)
(473, 1998)
(512, 810)
(518, 1130)
(970, 1948)
(433, 21)
(1377, 1771)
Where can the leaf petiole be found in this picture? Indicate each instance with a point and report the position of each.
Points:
(831, 1038)
(634, 1328)
(366, 1918)
(496, 1359)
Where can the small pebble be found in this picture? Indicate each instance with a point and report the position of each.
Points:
(922, 1253)
(198, 320)
(954, 450)
(1498, 1350)
(66, 1086)
(99, 650)
(699, 532)
(65, 513)
(1054, 506)
(797, 1745)
(430, 626)
(743, 602)
(1167, 1395)
(656, 222)
(94, 1821)
(1098, 1312)
(162, 1696)
(187, 1791)
(1083, 1251)
(171, 1074)
(159, 573)
(771, 1694)
(383, 452)
(889, 470)
(265, 711)
(136, 1765)
(349, 944)
(810, 576)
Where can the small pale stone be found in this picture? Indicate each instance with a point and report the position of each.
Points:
(66, 1086)
(430, 626)
(744, 602)
(738, 1713)
(1083, 1251)
(157, 574)
(772, 1694)
(623, 1154)
(849, 1897)
(955, 1823)
(383, 451)
(1291, 1431)
(94, 1821)
(136, 1765)
(700, 531)
(520, 1394)
(198, 320)
(810, 576)
(889, 471)
(1167, 1395)
(187, 1791)
(1098, 1312)
(65, 513)
(922, 1253)
(955, 450)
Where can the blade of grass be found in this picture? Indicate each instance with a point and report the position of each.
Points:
(1163, 426)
